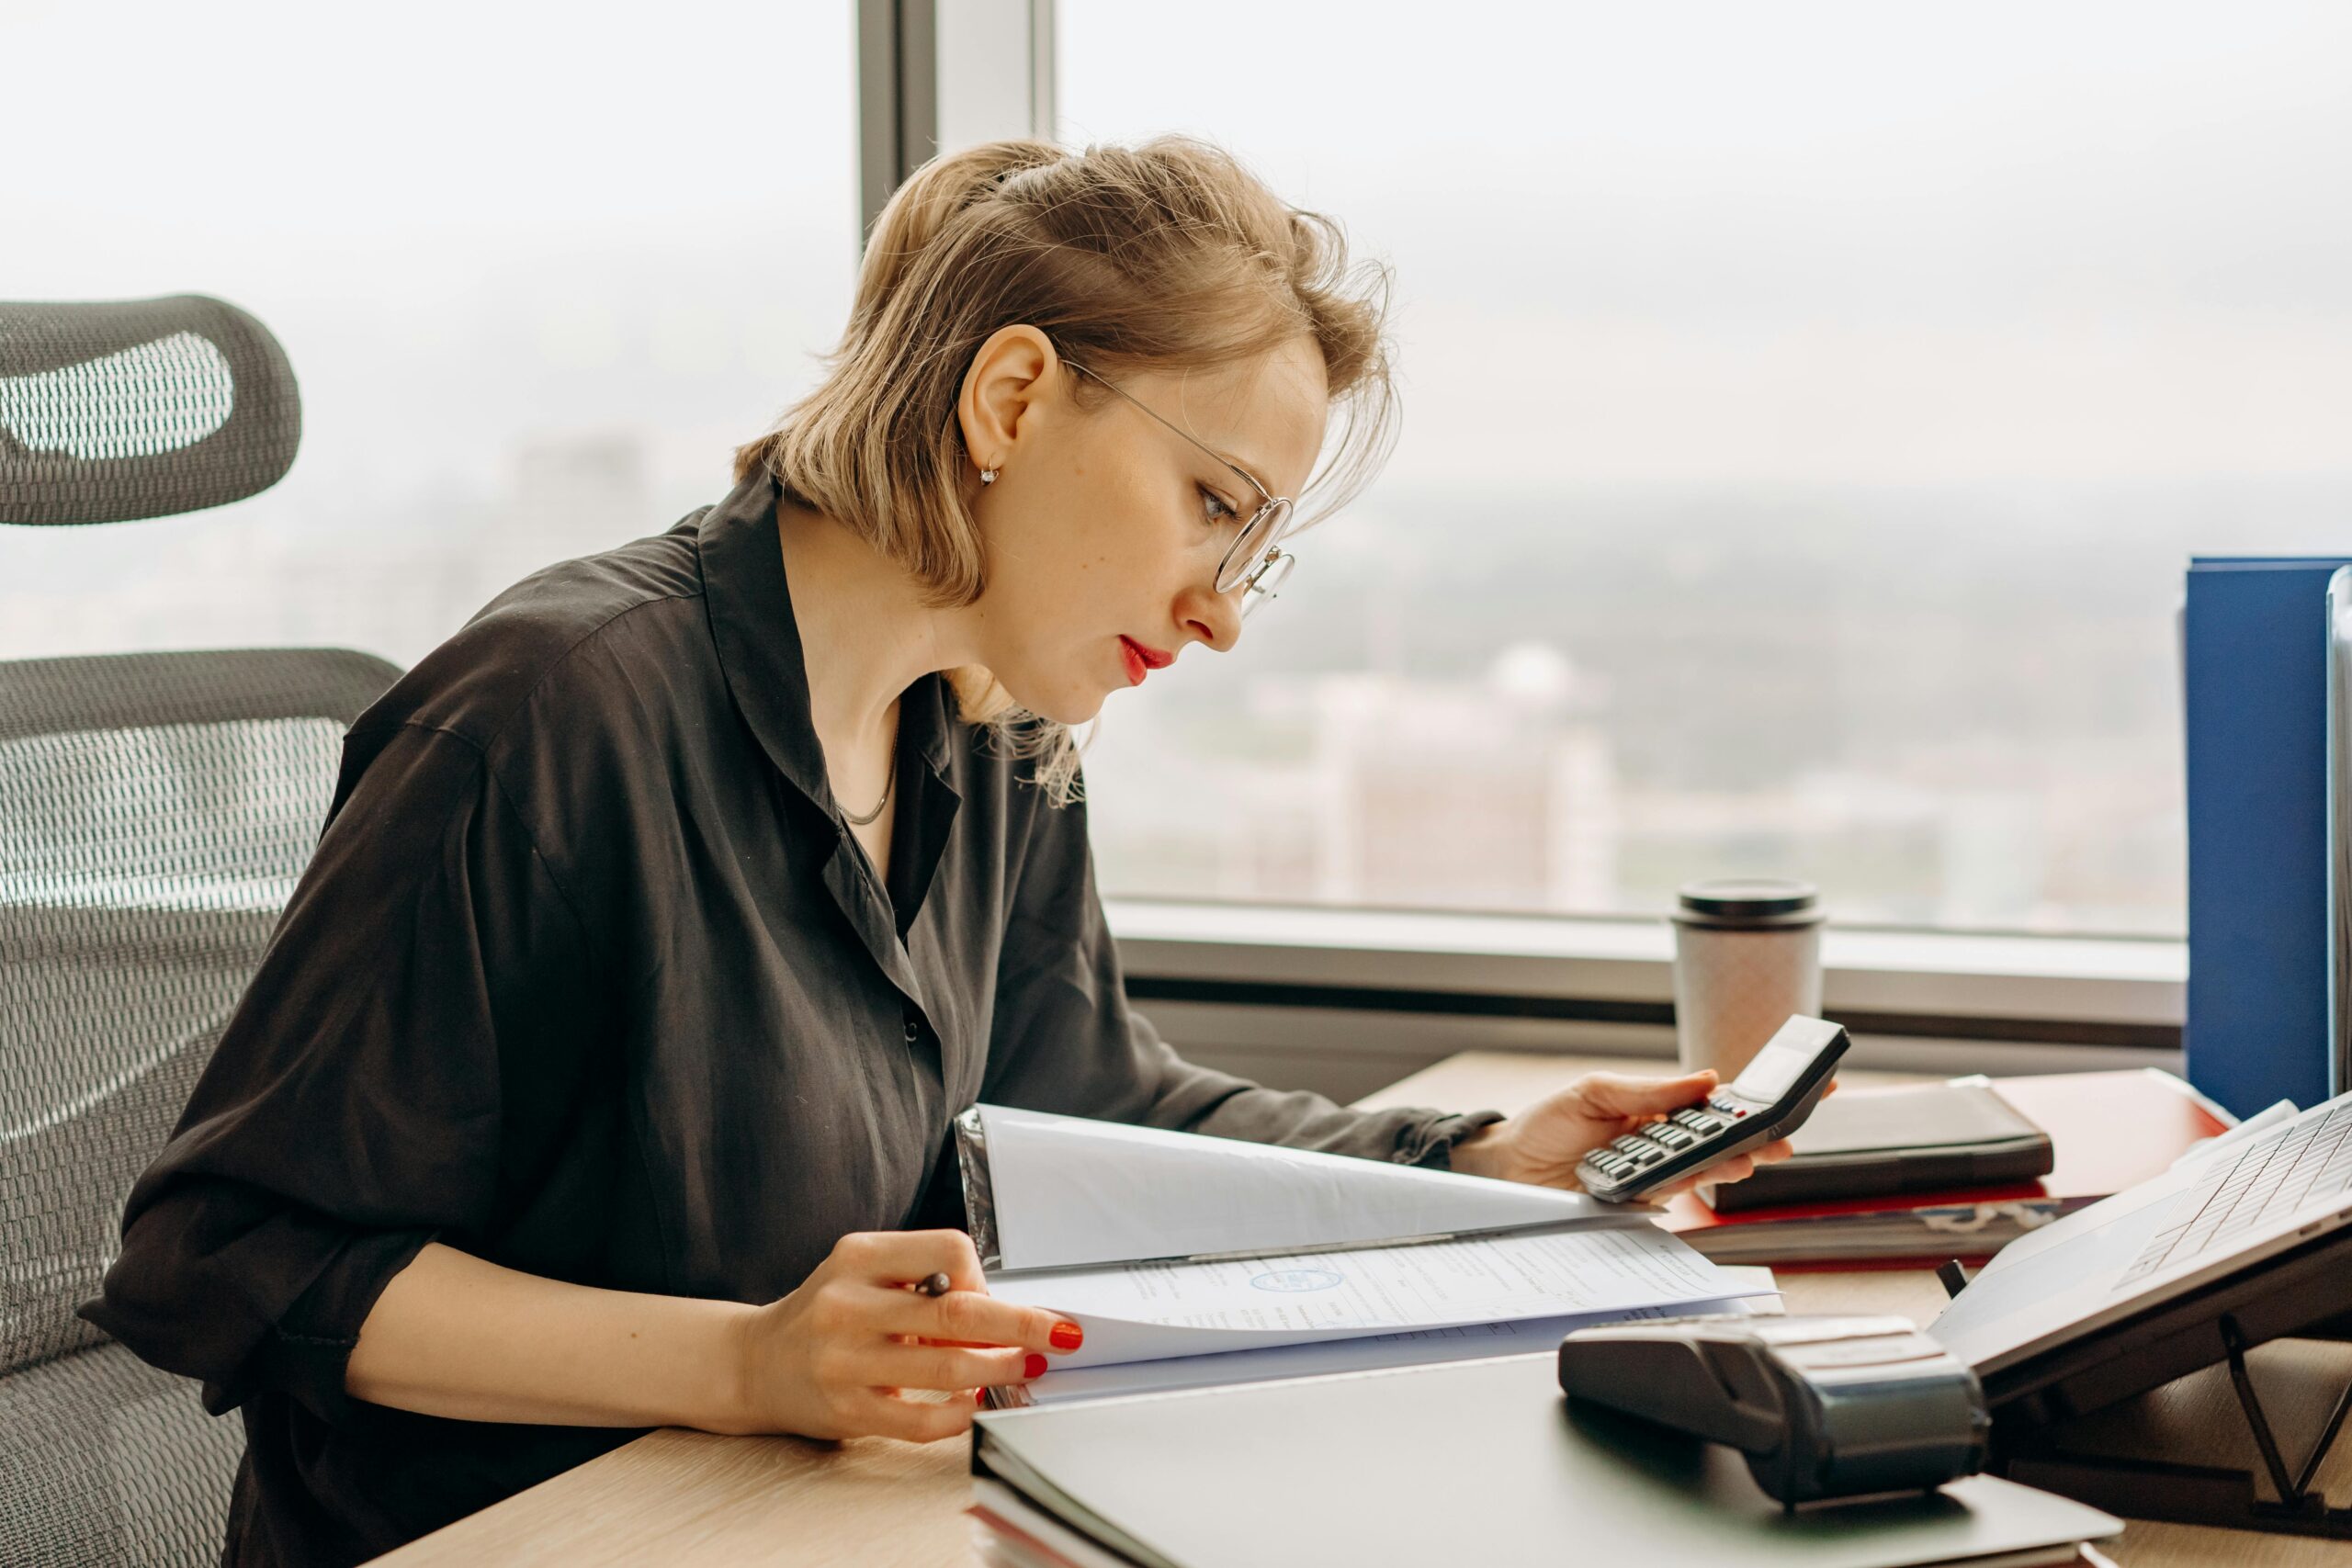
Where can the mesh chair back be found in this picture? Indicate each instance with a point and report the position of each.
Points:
(139, 408)
(155, 811)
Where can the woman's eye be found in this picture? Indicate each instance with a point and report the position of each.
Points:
(1215, 507)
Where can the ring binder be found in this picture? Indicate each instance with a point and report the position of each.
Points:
(2255, 674)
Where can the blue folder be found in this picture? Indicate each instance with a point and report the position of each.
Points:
(2254, 670)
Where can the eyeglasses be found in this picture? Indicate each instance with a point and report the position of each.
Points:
(1255, 562)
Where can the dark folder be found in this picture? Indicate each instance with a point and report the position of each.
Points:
(1879, 1142)
(1477, 1459)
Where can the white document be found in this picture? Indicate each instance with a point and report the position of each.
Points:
(1144, 1311)
(1410, 1347)
(1067, 1191)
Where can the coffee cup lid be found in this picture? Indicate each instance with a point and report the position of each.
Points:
(1760, 900)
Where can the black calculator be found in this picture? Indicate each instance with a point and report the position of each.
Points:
(1770, 1099)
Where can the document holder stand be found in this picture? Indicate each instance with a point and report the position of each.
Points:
(2302, 1294)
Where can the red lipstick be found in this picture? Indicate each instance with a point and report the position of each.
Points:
(1141, 659)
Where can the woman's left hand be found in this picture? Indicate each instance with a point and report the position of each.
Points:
(1542, 1143)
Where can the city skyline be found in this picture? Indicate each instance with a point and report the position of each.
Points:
(1985, 738)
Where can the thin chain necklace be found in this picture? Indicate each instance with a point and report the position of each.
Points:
(886, 779)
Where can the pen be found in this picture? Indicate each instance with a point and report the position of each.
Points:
(937, 1284)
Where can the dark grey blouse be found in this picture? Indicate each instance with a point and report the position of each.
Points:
(588, 978)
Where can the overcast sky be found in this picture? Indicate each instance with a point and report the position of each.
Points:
(1803, 240)
(1634, 243)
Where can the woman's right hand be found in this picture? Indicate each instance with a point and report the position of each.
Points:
(836, 1358)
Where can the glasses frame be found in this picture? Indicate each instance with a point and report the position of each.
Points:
(1258, 578)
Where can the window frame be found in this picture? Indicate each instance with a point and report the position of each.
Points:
(1241, 975)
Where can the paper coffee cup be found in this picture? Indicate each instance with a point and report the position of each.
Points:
(1746, 957)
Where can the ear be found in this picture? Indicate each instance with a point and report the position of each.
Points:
(1004, 392)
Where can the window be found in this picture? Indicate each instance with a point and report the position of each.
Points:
(1809, 411)
(537, 271)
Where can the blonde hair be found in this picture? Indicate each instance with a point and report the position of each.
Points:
(1168, 255)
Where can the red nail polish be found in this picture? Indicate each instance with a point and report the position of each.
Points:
(1067, 1336)
(1034, 1367)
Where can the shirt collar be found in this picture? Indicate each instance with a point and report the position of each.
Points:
(759, 644)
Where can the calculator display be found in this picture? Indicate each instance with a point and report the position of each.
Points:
(1768, 1076)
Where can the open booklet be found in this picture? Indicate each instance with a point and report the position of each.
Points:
(1172, 1246)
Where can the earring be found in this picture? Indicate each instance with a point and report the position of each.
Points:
(988, 476)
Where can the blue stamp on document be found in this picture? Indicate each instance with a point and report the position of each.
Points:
(1296, 1280)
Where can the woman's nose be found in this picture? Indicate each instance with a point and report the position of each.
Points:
(1213, 618)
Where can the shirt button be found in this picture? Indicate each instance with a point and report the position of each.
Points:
(914, 1032)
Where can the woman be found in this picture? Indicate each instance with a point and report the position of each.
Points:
(600, 1073)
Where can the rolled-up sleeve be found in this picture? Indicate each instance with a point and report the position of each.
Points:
(426, 973)
(1065, 1039)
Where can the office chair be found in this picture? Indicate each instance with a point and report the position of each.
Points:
(155, 810)
(140, 408)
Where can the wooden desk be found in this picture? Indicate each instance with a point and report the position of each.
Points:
(691, 1497)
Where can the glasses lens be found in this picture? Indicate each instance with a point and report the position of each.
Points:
(1266, 583)
(1265, 529)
